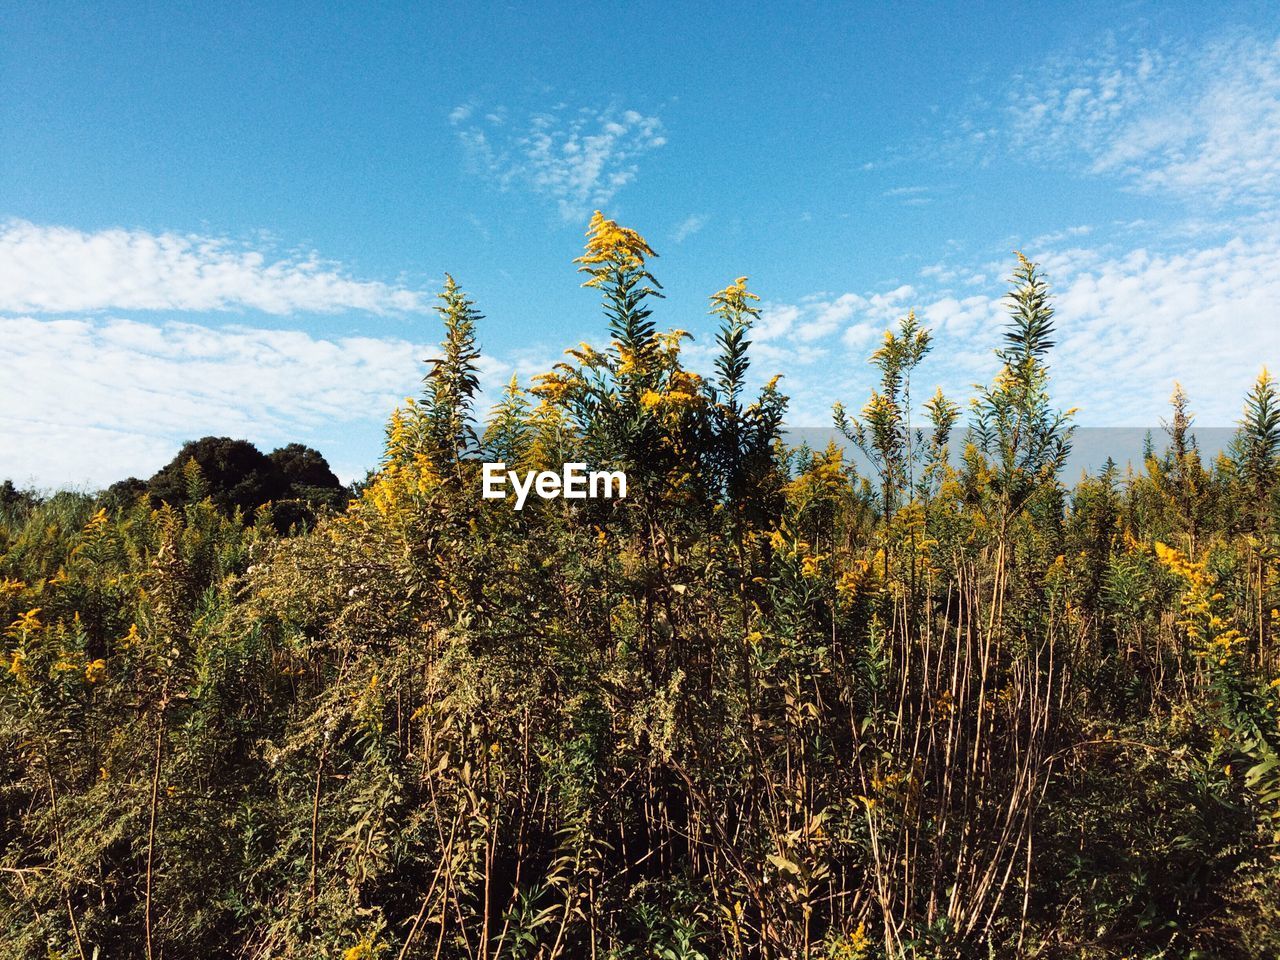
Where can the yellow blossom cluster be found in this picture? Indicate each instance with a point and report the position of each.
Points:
(682, 391)
(364, 950)
(29, 622)
(1216, 639)
(629, 364)
(862, 577)
(811, 566)
(611, 247)
(945, 705)
(826, 478)
(18, 665)
(795, 549)
(853, 946)
(130, 639)
(408, 472)
(402, 436)
(734, 299)
(588, 356)
(892, 788)
(551, 387)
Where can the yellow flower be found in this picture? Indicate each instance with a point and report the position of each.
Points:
(587, 355)
(611, 247)
(628, 362)
(364, 950)
(95, 670)
(733, 298)
(859, 942)
(27, 623)
(551, 387)
(17, 666)
(851, 947)
(945, 705)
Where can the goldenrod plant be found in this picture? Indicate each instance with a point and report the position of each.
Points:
(763, 706)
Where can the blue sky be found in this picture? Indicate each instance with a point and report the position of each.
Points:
(234, 220)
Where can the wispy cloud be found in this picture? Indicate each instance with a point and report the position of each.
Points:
(92, 400)
(578, 158)
(812, 341)
(821, 316)
(1129, 323)
(1200, 122)
(52, 269)
(688, 227)
(910, 196)
(1133, 323)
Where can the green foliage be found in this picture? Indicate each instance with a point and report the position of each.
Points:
(1014, 423)
(1259, 439)
(884, 434)
(294, 482)
(451, 383)
(508, 438)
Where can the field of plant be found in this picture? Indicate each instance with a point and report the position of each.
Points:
(955, 704)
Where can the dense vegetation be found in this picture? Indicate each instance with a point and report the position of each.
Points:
(292, 482)
(762, 707)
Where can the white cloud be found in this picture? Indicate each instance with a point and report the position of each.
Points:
(816, 318)
(580, 159)
(1202, 123)
(826, 317)
(891, 304)
(964, 317)
(90, 401)
(911, 196)
(1129, 324)
(859, 334)
(688, 227)
(776, 321)
(50, 269)
(55, 454)
(818, 345)
(776, 358)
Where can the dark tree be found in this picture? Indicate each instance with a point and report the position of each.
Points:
(234, 474)
(122, 494)
(11, 497)
(304, 467)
